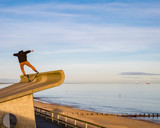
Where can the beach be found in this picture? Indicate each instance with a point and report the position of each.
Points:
(109, 121)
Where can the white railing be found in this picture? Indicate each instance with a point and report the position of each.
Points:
(65, 120)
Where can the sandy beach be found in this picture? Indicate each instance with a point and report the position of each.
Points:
(108, 121)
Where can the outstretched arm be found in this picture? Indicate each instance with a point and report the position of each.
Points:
(28, 51)
(15, 54)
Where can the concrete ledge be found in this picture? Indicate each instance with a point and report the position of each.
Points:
(44, 81)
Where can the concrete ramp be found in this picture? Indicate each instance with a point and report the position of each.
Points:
(44, 81)
(18, 98)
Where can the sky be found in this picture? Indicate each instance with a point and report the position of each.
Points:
(93, 41)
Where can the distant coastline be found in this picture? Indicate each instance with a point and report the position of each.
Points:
(6, 83)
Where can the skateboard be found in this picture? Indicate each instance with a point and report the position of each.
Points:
(34, 78)
(30, 80)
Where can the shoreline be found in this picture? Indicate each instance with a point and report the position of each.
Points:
(109, 121)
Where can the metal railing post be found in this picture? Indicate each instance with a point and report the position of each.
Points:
(85, 125)
(65, 121)
(52, 116)
(58, 118)
(75, 122)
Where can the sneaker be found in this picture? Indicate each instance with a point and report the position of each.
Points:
(26, 76)
(37, 72)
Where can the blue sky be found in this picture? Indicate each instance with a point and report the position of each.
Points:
(91, 40)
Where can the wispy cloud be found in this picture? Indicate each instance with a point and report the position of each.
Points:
(95, 37)
(115, 7)
(62, 24)
(138, 73)
(105, 11)
(62, 51)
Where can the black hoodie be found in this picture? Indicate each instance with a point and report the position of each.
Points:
(22, 56)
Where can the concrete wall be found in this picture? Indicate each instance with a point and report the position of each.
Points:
(22, 108)
(17, 99)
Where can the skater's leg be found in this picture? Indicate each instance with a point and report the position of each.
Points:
(22, 68)
(31, 66)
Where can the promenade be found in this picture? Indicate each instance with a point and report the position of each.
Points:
(43, 123)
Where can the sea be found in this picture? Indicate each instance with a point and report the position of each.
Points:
(106, 98)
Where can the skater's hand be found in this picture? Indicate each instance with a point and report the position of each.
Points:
(32, 50)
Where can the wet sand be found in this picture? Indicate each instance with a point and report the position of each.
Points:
(108, 121)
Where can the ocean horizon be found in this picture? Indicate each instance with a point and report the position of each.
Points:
(106, 98)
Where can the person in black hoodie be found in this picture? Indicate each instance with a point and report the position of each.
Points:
(22, 57)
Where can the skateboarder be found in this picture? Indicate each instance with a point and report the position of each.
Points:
(22, 57)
